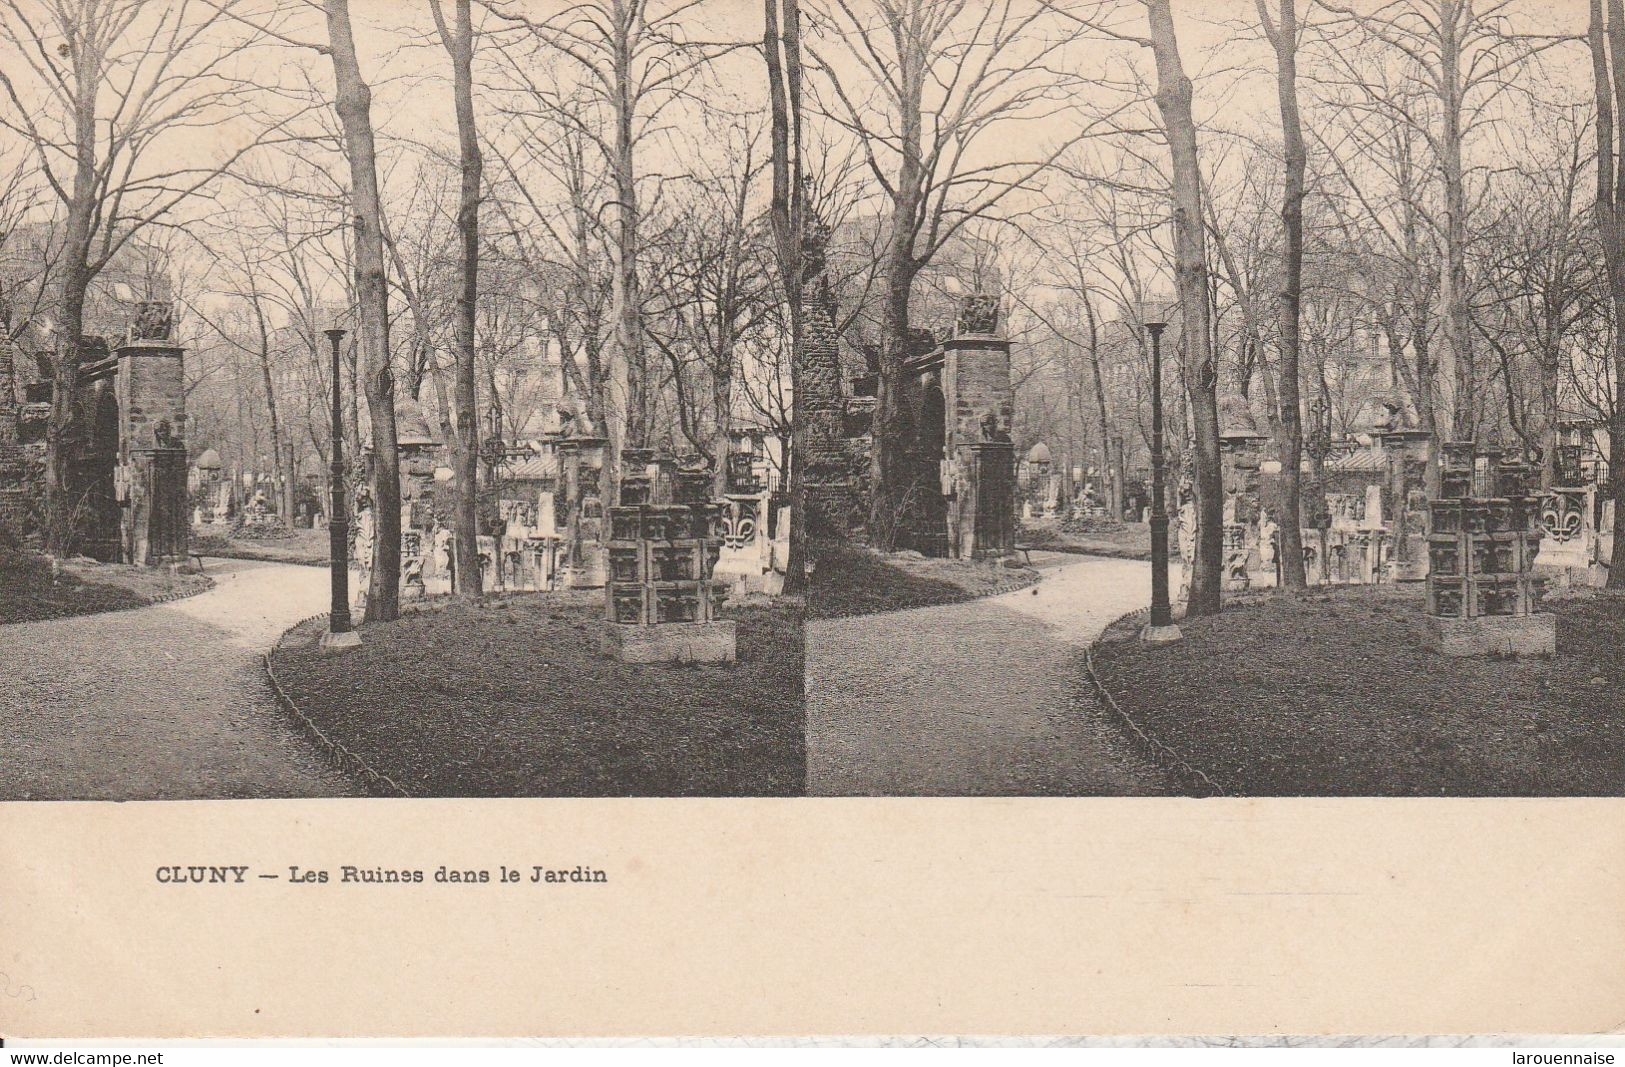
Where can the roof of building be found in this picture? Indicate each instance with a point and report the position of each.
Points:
(1039, 453)
(209, 461)
(534, 468)
(1360, 461)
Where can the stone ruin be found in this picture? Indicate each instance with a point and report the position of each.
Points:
(1482, 596)
(127, 465)
(660, 600)
(1577, 535)
(1039, 482)
(1371, 530)
(957, 402)
(665, 556)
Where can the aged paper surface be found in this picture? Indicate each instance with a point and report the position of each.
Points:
(819, 917)
(945, 652)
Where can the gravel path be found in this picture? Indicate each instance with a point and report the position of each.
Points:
(161, 703)
(983, 698)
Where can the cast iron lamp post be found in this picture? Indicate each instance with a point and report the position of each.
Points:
(1161, 629)
(340, 633)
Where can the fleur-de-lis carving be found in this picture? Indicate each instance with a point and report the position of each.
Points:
(1561, 517)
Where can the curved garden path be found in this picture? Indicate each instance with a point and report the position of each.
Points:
(164, 702)
(982, 698)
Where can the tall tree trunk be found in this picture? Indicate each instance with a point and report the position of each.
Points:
(781, 46)
(1190, 281)
(888, 485)
(1283, 36)
(353, 102)
(628, 427)
(62, 504)
(459, 42)
(1111, 446)
(77, 272)
(1453, 276)
(1608, 49)
(282, 460)
(1550, 367)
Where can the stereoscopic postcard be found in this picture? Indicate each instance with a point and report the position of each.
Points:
(803, 518)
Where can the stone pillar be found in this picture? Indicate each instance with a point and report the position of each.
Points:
(1407, 452)
(152, 451)
(979, 403)
(582, 474)
(986, 515)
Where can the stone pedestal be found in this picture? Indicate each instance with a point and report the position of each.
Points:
(1568, 541)
(745, 558)
(156, 526)
(1486, 635)
(672, 642)
(1161, 635)
(986, 524)
(334, 643)
(1236, 552)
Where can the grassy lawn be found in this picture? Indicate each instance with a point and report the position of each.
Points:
(1096, 537)
(1337, 697)
(512, 697)
(298, 546)
(30, 592)
(852, 580)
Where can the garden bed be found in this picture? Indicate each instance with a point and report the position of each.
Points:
(1337, 696)
(1092, 537)
(513, 697)
(32, 590)
(308, 547)
(853, 580)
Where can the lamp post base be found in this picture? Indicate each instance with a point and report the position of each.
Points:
(342, 641)
(1161, 635)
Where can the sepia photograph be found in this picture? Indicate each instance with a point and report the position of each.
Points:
(886, 398)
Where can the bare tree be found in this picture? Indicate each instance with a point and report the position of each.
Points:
(934, 81)
(560, 244)
(27, 278)
(353, 102)
(1538, 262)
(1456, 60)
(1606, 38)
(716, 290)
(1174, 94)
(247, 285)
(458, 39)
(781, 47)
(97, 90)
(1282, 33)
(632, 61)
